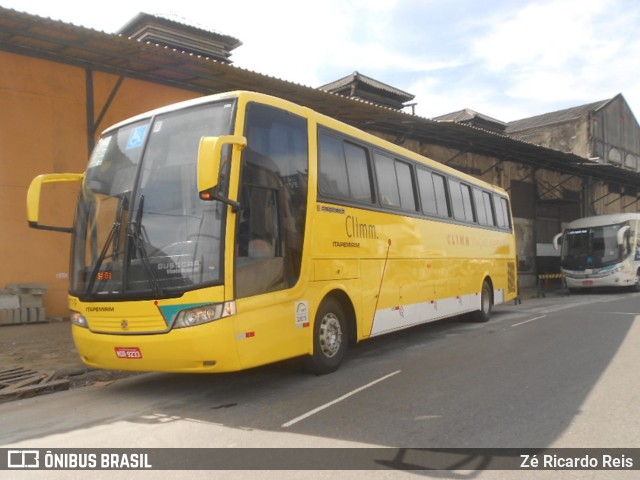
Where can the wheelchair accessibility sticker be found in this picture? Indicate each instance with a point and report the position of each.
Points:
(136, 137)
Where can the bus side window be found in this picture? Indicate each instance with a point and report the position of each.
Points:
(427, 192)
(442, 203)
(333, 179)
(358, 173)
(488, 204)
(387, 180)
(502, 212)
(461, 201)
(481, 209)
(344, 170)
(406, 190)
(467, 203)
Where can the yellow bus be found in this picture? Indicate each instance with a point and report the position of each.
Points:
(240, 229)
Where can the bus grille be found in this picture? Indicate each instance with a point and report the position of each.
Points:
(511, 277)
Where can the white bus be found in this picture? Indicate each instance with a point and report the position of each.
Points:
(601, 251)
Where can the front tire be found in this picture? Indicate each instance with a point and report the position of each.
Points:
(486, 304)
(330, 338)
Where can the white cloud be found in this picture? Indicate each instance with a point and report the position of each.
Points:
(567, 52)
(546, 34)
(296, 41)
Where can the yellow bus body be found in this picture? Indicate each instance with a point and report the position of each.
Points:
(390, 270)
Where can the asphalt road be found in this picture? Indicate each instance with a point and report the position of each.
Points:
(555, 372)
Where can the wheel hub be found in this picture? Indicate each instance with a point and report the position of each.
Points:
(330, 336)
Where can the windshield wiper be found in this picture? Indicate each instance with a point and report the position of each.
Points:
(113, 234)
(134, 231)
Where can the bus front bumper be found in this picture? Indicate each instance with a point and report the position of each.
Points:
(617, 279)
(205, 348)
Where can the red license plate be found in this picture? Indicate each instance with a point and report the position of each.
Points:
(128, 352)
(587, 282)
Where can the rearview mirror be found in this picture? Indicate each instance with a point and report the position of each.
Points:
(210, 160)
(33, 198)
(621, 234)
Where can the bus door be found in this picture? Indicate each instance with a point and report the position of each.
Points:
(270, 225)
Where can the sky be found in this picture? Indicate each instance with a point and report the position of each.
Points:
(508, 59)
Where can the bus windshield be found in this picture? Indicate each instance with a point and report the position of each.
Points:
(592, 247)
(141, 230)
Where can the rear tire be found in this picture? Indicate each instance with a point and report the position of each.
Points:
(486, 304)
(330, 338)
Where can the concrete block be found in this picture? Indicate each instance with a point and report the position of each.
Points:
(9, 301)
(9, 316)
(30, 300)
(35, 314)
(6, 316)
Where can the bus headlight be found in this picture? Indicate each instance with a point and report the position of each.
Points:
(204, 314)
(78, 319)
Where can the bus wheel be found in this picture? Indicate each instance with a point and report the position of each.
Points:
(330, 338)
(486, 304)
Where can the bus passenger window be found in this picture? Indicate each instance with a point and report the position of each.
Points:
(502, 212)
(387, 180)
(488, 205)
(440, 187)
(481, 210)
(466, 203)
(359, 173)
(405, 186)
(427, 192)
(332, 169)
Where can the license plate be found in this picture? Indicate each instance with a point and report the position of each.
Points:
(128, 352)
(587, 282)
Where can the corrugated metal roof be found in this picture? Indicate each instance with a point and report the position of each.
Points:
(62, 42)
(171, 20)
(466, 115)
(168, 31)
(551, 118)
(357, 77)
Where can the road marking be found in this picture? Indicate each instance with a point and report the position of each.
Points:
(337, 400)
(527, 321)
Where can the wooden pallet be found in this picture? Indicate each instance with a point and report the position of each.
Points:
(18, 382)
